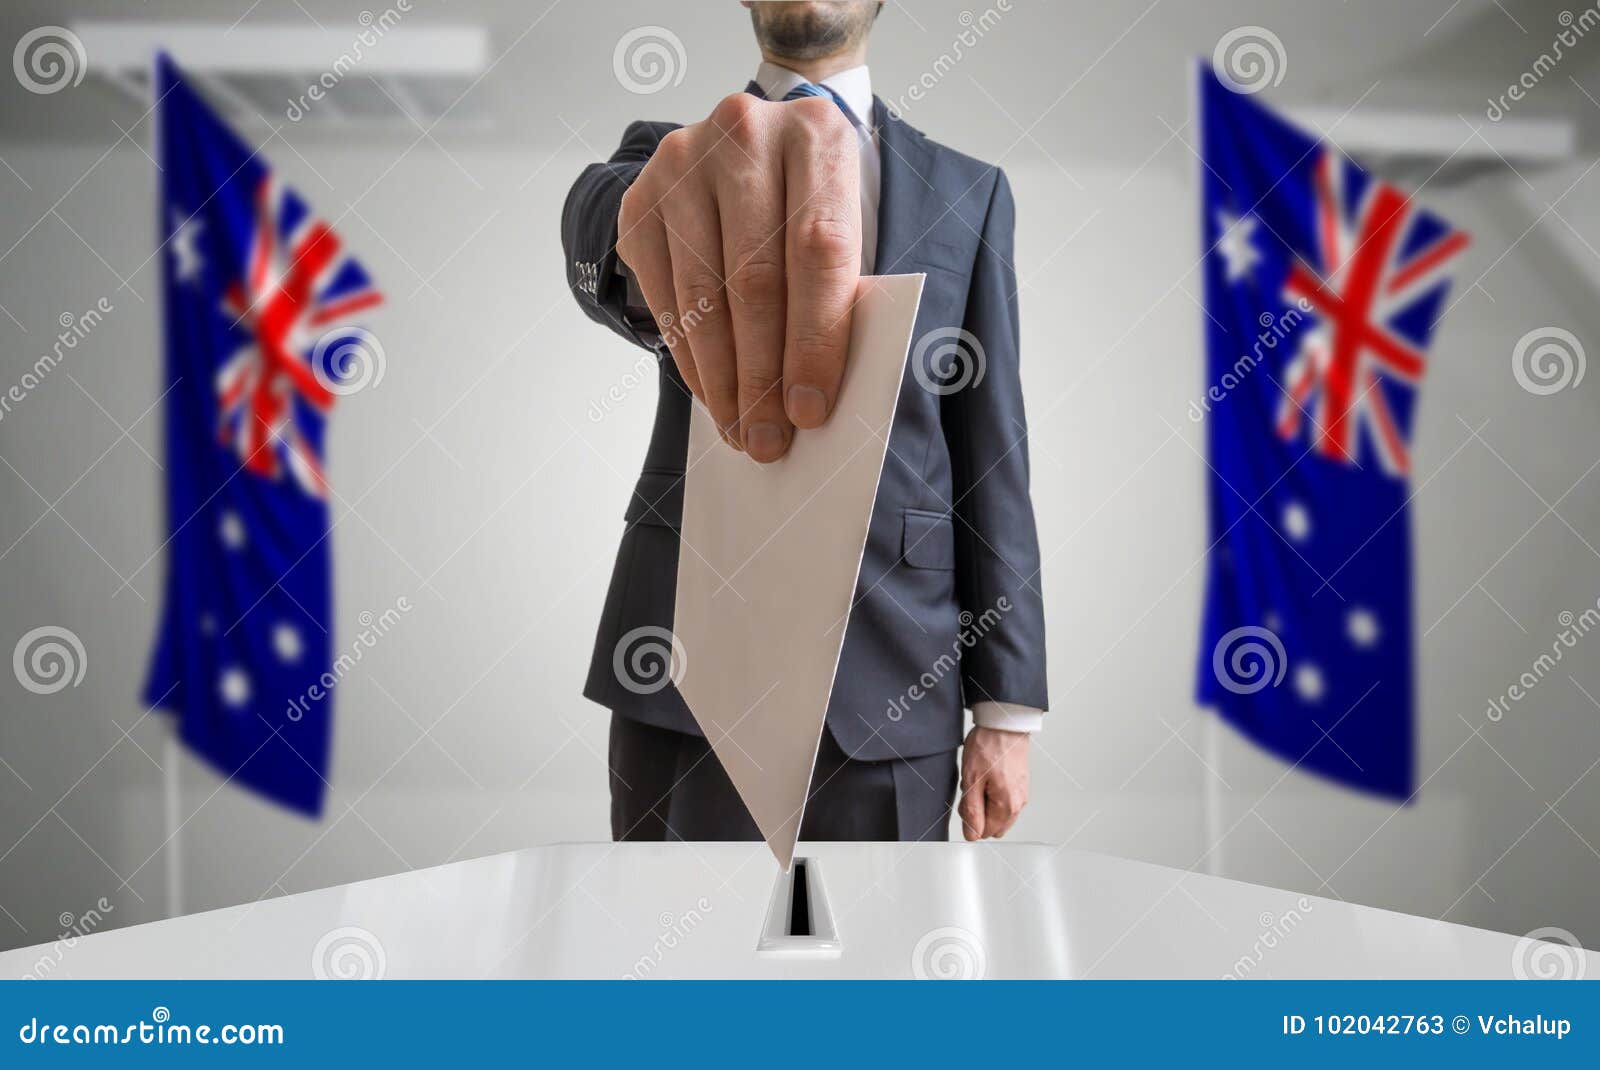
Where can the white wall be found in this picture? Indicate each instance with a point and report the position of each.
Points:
(499, 524)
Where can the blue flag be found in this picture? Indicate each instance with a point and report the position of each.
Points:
(258, 299)
(1322, 286)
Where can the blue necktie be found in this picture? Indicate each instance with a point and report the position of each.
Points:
(811, 89)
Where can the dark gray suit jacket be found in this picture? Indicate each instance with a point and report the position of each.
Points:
(947, 610)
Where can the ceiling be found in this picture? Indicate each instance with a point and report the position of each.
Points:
(1063, 80)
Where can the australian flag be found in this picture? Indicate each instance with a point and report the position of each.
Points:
(1322, 287)
(259, 295)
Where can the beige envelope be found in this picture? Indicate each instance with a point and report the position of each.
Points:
(768, 568)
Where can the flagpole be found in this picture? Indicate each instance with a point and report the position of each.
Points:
(1210, 739)
(1211, 746)
(172, 807)
(171, 750)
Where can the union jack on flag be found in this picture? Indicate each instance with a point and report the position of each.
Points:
(1323, 284)
(1374, 260)
(292, 302)
(259, 298)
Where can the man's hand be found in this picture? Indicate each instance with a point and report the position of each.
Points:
(994, 782)
(745, 231)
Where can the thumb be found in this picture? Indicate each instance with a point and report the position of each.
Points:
(972, 812)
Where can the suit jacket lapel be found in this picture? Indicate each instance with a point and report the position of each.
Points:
(908, 198)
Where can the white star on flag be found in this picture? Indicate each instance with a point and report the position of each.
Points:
(286, 643)
(1236, 246)
(186, 258)
(1361, 625)
(231, 530)
(1297, 521)
(1308, 683)
(235, 687)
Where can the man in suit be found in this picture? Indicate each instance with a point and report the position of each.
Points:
(732, 247)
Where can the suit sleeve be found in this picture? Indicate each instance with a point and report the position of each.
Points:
(986, 430)
(589, 235)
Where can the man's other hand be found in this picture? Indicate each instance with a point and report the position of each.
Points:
(994, 782)
(744, 234)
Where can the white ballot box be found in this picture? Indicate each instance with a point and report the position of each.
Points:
(721, 910)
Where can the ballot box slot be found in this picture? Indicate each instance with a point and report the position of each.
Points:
(799, 920)
(799, 902)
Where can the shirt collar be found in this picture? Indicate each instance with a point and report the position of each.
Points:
(854, 86)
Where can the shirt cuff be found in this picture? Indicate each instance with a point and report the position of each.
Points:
(636, 311)
(1007, 717)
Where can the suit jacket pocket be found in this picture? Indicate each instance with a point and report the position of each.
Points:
(928, 540)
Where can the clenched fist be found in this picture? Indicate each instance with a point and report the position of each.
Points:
(746, 229)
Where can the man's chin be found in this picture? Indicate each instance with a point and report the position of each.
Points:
(805, 31)
(802, 38)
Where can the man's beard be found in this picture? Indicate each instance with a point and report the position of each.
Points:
(811, 31)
